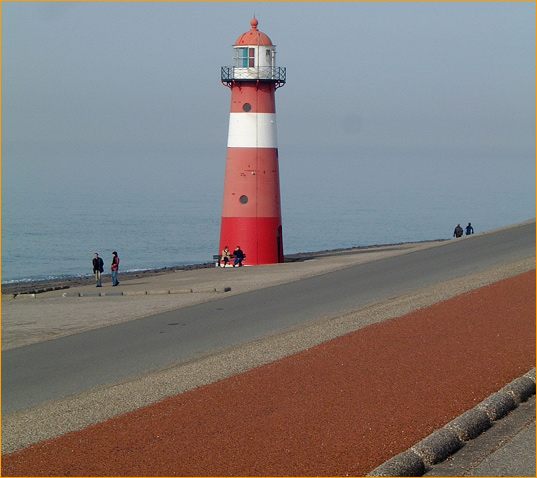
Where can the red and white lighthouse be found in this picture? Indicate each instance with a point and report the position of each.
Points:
(251, 212)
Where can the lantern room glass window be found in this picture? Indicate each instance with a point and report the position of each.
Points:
(245, 58)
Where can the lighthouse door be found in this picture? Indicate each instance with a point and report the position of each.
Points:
(279, 244)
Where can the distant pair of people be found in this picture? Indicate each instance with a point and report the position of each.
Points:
(458, 230)
(98, 268)
(226, 256)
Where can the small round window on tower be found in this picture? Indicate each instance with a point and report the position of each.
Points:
(243, 199)
(246, 107)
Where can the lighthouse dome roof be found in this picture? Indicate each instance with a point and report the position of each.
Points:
(254, 36)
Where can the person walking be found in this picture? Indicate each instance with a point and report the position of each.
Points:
(98, 269)
(114, 268)
(458, 231)
(239, 256)
(469, 229)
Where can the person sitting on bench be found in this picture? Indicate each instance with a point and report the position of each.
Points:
(239, 256)
(225, 256)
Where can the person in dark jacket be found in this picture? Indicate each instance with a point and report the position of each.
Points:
(114, 268)
(239, 256)
(469, 229)
(458, 231)
(98, 268)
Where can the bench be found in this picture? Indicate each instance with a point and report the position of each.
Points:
(217, 258)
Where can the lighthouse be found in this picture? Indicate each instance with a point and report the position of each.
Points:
(251, 211)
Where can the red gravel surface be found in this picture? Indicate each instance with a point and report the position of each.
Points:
(341, 408)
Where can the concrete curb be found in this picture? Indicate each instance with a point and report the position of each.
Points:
(181, 291)
(134, 292)
(444, 442)
(206, 290)
(33, 293)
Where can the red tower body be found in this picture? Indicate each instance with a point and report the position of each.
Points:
(251, 211)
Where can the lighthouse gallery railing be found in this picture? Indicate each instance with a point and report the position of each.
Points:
(276, 74)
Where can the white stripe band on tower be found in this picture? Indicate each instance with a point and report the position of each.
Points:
(252, 130)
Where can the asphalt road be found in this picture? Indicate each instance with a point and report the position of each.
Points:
(46, 371)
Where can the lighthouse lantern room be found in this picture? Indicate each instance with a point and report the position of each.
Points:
(251, 211)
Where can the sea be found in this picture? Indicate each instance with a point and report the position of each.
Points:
(53, 234)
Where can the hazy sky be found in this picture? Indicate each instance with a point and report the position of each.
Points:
(377, 92)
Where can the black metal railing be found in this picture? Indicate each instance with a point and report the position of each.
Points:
(276, 74)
